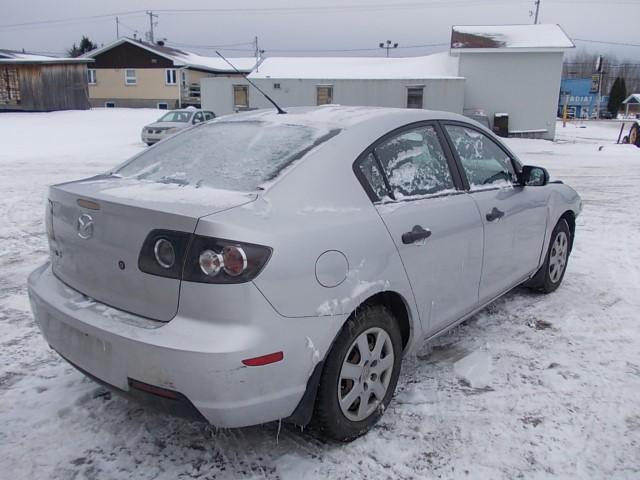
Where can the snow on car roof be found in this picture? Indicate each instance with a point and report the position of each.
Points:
(335, 116)
(439, 65)
(540, 36)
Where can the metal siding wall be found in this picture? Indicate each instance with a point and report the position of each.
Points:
(217, 93)
(525, 85)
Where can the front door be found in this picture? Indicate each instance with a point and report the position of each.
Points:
(434, 224)
(514, 217)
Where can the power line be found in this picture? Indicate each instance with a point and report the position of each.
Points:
(272, 10)
(621, 44)
(329, 50)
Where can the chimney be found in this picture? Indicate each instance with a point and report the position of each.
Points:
(160, 43)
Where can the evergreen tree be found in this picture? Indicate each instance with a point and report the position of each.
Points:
(617, 95)
(86, 45)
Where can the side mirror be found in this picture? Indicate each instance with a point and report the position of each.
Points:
(534, 176)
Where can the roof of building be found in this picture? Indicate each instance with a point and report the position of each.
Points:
(538, 37)
(437, 66)
(12, 56)
(633, 98)
(183, 58)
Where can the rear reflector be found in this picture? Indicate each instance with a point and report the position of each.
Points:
(264, 359)
(152, 389)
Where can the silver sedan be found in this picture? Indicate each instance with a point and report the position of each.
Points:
(172, 122)
(263, 266)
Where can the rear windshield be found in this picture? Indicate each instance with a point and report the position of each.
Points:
(176, 117)
(235, 155)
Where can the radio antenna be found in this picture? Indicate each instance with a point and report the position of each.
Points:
(280, 110)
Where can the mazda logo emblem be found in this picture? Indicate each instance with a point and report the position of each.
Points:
(85, 226)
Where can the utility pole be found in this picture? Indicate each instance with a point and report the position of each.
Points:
(257, 52)
(537, 4)
(117, 28)
(388, 45)
(151, 17)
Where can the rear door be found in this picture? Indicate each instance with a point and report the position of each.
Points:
(433, 223)
(514, 217)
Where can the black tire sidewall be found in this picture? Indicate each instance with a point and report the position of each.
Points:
(548, 285)
(328, 416)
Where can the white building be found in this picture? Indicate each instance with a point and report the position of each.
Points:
(512, 69)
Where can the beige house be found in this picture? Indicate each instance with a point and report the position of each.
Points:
(132, 73)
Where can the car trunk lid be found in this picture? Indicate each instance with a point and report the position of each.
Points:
(99, 226)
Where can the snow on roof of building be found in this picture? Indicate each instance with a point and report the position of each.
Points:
(440, 65)
(633, 98)
(540, 37)
(183, 58)
(12, 56)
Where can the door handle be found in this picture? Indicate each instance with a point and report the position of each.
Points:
(494, 214)
(416, 233)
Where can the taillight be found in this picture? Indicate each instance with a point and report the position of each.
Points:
(163, 253)
(195, 258)
(215, 260)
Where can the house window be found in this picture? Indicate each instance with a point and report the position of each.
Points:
(163, 106)
(91, 76)
(324, 94)
(130, 77)
(170, 76)
(240, 96)
(276, 86)
(414, 97)
(110, 104)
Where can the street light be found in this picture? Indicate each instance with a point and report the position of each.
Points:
(388, 45)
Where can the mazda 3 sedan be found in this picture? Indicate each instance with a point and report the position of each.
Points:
(268, 266)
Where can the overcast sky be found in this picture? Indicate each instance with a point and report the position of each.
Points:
(304, 27)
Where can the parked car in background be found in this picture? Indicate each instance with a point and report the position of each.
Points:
(172, 122)
(267, 266)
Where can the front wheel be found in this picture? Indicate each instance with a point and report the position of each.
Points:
(360, 374)
(552, 272)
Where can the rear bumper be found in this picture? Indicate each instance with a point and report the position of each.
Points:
(199, 358)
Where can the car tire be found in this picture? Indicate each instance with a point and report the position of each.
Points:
(348, 376)
(550, 275)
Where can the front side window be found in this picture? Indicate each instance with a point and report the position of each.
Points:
(91, 76)
(415, 163)
(231, 155)
(240, 96)
(170, 76)
(414, 97)
(130, 77)
(324, 94)
(483, 161)
(198, 117)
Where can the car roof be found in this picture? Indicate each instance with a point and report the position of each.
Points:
(343, 117)
(190, 110)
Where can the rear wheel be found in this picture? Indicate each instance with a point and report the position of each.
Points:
(550, 275)
(360, 374)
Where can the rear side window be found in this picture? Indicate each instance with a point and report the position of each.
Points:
(415, 163)
(369, 169)
(232, 155)
(484, 162)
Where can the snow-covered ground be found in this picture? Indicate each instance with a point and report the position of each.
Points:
(531, 387)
